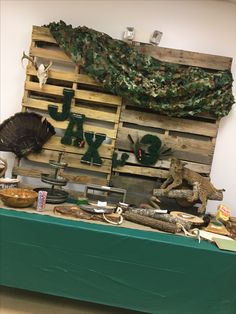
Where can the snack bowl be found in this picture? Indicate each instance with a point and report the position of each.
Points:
(17, 197)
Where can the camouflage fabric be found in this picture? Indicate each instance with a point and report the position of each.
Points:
(171, 89)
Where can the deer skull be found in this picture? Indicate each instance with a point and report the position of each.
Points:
(41, 70)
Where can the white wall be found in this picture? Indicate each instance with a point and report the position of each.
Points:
(200, 26)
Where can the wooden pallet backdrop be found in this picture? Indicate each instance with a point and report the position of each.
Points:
(192, 139)
(102, 113)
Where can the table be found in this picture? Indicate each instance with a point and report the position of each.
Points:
(140, 270)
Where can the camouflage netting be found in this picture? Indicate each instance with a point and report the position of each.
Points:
(167, 88)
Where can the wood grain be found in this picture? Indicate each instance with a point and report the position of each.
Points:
(202, 60)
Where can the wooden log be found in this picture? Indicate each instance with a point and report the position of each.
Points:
(148, 212)
(77, 212)
(173, 193)
(151, 222)
(181, 194)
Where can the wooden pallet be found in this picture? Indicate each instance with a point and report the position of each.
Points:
(102, 111)
(191, 139)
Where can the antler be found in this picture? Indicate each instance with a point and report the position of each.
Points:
(30, 59)
(42, 70)
(49, 66)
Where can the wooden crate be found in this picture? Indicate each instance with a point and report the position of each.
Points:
(102, 111)
(191, 139)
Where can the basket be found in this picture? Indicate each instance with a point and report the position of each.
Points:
(17, 197)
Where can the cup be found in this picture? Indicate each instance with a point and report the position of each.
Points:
(42, 197)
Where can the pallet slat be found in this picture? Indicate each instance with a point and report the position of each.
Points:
(90, 113)
(42, 34)
(79, 179)
(98, 97)
(79, 94)
(54, 143)
(59, 75)
(143, 171)
(73, 161)
(52, 55)
(69, 76)
(164, 164)
(86, 127)
(169, 123)
(175, 142)
(202, 60)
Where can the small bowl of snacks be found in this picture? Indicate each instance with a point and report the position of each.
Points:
(17, 197)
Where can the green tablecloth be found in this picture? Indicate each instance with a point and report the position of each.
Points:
(140, 270)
